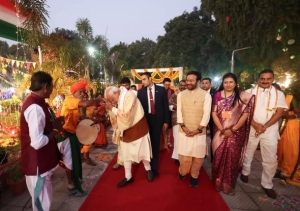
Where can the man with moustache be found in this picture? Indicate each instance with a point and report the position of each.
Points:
(173, 108)
(38, 142)
(269, 108)
(67, 140)
(193, 112)
(155, 104)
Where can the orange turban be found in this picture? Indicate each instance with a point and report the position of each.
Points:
(80, 85)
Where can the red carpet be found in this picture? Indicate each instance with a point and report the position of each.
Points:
(166, 192)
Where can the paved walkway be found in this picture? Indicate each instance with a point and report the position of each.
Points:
(248, 197)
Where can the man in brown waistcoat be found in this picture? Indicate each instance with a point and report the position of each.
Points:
(193, 112)
(131, 130)
(39, 152)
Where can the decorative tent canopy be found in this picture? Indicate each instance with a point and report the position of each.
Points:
(159, 74)
(10, 20)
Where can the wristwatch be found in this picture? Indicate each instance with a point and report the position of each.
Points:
(200, 130)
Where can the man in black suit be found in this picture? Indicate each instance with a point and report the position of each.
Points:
(155, 103)
(206, 85)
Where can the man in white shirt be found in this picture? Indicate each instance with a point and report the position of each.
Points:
(269, 108)
(173, 108)
(39, 152)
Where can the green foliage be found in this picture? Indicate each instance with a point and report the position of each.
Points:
(255, 23)
(3, 48)
(244, 86)
(2, 149)
(36, 23)
(189, 42)
(84, 29)
(14, 172)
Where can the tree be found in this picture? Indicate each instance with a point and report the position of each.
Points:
(84, 29)
(262, 24)
(189, 42)
(140, 53)
(35, 24)
(3, 48)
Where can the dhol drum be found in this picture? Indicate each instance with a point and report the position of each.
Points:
(87, 131)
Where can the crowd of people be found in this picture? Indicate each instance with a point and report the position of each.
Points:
(237, 122)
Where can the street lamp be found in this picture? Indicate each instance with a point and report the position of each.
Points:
(232, 57)
(91, 50)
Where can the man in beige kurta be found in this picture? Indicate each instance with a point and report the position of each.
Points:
(193, 113)
(131, 130)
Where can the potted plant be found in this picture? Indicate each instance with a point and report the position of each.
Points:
(15, 178)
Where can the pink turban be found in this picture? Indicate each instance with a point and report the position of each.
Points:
(80, 85)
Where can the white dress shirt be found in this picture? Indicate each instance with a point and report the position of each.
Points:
(153, 94)
(35, 117)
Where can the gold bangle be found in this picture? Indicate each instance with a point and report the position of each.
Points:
(56, 130)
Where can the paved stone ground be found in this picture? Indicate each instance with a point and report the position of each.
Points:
(248, 197)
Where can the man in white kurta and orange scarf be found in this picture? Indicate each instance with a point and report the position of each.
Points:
(193, 112)
(269, 108)
(131, 131)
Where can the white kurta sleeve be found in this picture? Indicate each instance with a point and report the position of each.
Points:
(206, 110)
(179, 112)
(281, 100)
(115, 111)
(35, 117)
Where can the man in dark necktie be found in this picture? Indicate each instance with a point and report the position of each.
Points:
(155, 104)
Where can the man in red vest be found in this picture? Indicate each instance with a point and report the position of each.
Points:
(39, 152)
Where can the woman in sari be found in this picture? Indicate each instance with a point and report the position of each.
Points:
(288, 144)
(232, 113)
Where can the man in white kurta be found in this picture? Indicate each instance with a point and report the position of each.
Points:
(39, 153)
(175, 126)
(269, 106)
(193, 112)
(132, 130)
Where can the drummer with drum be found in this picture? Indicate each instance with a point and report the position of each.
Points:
(68, 142)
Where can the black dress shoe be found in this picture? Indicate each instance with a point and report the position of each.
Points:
(194, 182)
(270, 193)
(155, 173)
(150, 176)
(181, 177)
(124, 182)
(244, 178)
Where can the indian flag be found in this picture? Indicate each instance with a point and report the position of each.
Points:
(9, 20)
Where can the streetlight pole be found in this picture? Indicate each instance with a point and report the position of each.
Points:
(232, 56)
